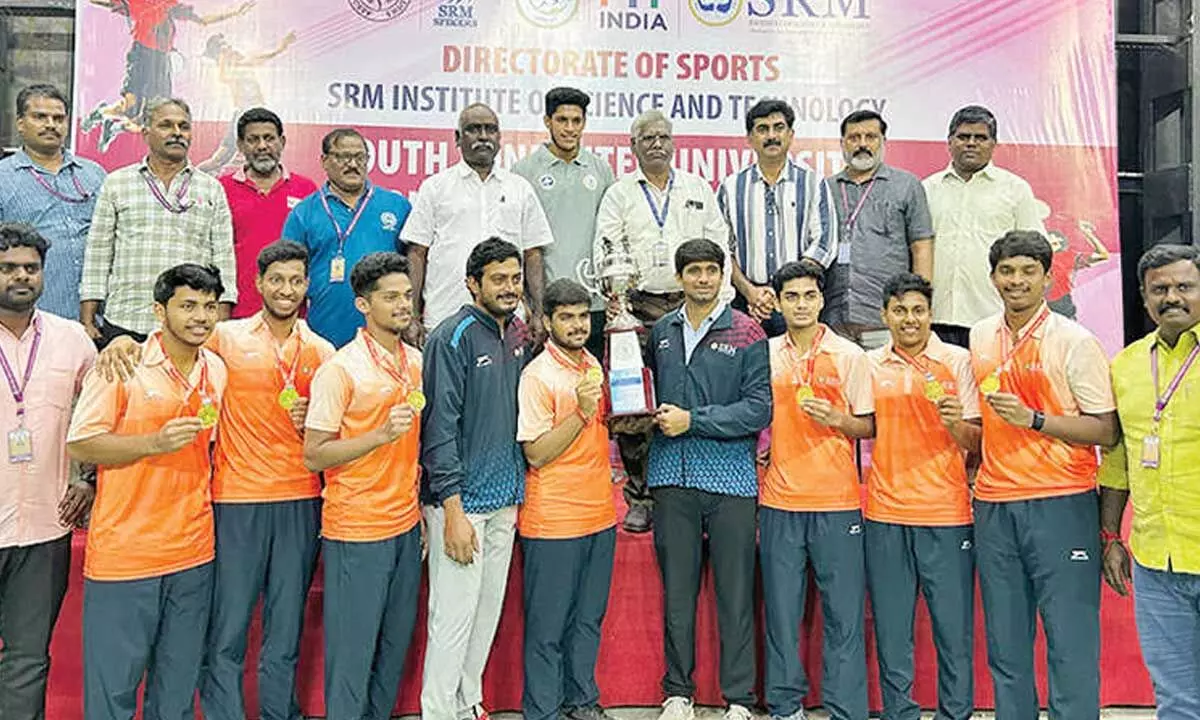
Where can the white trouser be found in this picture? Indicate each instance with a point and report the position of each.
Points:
(464, 612)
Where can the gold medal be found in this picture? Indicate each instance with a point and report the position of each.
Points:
(990, 384)
(804, 392)
(207, 414)
(288, 397)
(934, 390)
(416, 400)
(595, 374)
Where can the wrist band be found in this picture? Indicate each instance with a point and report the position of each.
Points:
(1107, 538)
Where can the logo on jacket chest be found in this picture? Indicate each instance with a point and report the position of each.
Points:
(723, 348)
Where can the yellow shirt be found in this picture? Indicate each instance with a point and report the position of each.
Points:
(1166, 501)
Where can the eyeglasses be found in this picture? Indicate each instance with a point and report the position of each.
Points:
(348, 158)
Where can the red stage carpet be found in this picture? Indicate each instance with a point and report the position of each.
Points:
(631, 661)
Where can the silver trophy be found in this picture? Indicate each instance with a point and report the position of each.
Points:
(630, 385)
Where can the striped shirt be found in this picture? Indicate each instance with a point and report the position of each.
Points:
(775, 224)
(134, 238)
(63, 222)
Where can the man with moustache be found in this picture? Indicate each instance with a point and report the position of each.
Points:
(265, 502)
(1157, 464)
(918, 532)
(349, 218)
(363, 432)
(655, 210)
(260, 195)
(973, 202)
(459, 208)
(151, 216)
(1048, 403)
(48, 187)
(885, 229)
(567, 520)
(474, 477)
(44, 358)
(778, 211)
(569, 182)
(148, 571)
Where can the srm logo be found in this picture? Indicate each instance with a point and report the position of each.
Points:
(723, 12)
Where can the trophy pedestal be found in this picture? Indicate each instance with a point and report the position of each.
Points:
(630, 384)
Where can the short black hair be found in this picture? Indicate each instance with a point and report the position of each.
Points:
(566, 96)
(797, 269)
(863, 116)
(201, 278)
(15, 235)
(1021, 243)
(42, 90)
(492, 250)
(282, 251)
(698, 250)
(336, 134)
(972, 115)
(365, 277)
(766, 108)
(900, 284)
(1164, 255)
(258, 115)
(563, 292)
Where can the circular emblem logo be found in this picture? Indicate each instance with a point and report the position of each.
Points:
(379, 10)
(589, 181)
(715, 13)
(548, 13)
(388, 220)
(546, 181)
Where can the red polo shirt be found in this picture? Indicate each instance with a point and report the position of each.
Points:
(257, 222)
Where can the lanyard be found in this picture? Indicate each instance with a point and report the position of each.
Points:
(288, 375)
(810, 365)
(177, 376)
(916, 364)
(660, 215)
(1008, 356)
(84, 195)
(399, 375)
(179, 206)
(341, 236)
(862, 200)
(18, 391)
(1160, 402)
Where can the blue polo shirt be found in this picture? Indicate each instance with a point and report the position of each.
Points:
(331, 311)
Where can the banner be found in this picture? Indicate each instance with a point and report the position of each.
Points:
(402, 70)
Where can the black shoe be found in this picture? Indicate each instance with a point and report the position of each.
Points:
(588, 712)
(638, 520)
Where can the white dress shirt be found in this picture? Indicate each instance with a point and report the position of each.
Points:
(968, 216)
(453, 212)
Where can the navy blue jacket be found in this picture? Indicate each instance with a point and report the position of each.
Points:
(469, 429)
(727, 388)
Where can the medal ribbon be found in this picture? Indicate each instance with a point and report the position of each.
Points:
(1160, 402)
(399, 376)
(660, 216)
(916, 364)
(179, 206)
(288, 375)
(18, 391)
(84, 195)
(175, 374)
(862, 200)
(810, 365)
(1011, 353)
(341, 236)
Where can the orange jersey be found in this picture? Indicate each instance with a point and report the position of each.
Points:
(570, 496)
(812, 466)
(1061, 370)
(259, 455)
(918, 474)
(374, 497)
(151, 517)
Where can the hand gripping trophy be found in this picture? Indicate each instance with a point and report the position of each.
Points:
(630, 385)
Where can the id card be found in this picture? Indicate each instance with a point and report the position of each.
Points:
(1150, 452)
(20, 445)
(337, 269)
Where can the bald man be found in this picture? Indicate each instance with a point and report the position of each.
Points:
(461, 207)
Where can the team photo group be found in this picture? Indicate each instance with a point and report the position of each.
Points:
(868, 376)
